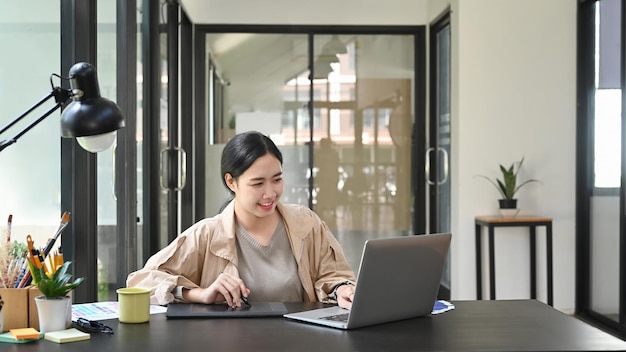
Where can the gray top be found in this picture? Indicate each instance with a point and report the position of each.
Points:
(270, 272)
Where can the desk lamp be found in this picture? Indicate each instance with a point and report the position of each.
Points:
(90, 118)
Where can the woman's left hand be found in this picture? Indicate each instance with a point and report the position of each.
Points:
(345, 294)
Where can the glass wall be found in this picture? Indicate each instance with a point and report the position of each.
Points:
(107, 206)
(164, 134)
(352, 114)
(439, 138)
(605, 210)
(140, 139)
(600, 242)
(30, 169)
(247, 93)
(114, 249)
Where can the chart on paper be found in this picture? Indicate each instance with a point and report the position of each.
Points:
(104, 310)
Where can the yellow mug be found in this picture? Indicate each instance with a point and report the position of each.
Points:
(134, 304)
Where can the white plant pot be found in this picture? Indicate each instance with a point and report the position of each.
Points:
(508, 213)
(54, 313)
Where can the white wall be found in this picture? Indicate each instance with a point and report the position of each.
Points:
(513, 95)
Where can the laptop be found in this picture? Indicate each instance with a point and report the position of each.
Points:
(398, 279)
(223, 310)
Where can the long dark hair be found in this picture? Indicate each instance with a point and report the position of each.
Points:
(243, 150)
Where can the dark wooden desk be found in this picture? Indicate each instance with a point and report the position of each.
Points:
(517, 325)
(491, 222)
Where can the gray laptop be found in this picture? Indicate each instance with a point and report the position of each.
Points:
(398, 279)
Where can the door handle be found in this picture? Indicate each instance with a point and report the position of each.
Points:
(183, 168)
(113, 188)
(427, 166)
(444, 160)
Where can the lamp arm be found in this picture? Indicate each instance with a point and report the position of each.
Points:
(61, 96)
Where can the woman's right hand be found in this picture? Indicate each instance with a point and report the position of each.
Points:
(226, 287)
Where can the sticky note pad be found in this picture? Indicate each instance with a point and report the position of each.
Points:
(7, 337)
(24, 333)
(69, 335)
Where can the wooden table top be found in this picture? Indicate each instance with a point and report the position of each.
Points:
(496, 219)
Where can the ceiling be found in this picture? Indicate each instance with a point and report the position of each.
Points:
(255, 67)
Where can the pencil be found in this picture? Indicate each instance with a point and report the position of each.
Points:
(26, 279)
(60, 255)
(9, 223)
(49, 265)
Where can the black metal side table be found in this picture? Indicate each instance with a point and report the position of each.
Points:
(491, 222)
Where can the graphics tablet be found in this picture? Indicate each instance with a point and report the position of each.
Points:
(198, 310)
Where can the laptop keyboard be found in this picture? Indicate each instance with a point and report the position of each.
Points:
(338, 317)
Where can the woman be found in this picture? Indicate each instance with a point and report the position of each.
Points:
(257, 248)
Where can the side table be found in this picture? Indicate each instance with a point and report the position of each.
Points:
(491, 222)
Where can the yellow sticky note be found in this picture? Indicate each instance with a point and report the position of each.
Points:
(69, 335)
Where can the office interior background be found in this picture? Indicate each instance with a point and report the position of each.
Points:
(423, 96)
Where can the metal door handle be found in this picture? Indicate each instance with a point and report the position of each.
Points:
(183, 168)
(113, 190)
(445, 166)
(427, 166)
(161, 178)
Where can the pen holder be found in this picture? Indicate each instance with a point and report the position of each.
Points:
(14, 311)
(18, 308)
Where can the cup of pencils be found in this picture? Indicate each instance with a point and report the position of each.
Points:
(13, 254)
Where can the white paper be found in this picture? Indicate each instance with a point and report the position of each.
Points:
(104, 310)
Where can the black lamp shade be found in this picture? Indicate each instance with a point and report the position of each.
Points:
(89, 114)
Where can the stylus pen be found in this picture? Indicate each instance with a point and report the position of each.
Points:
(245, 300)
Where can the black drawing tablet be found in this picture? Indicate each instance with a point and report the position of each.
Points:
(197, 310)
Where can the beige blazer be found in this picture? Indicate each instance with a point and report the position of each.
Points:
(197, 256)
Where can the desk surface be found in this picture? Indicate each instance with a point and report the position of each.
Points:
(517, 325)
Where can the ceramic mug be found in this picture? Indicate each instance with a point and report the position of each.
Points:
(134, 304)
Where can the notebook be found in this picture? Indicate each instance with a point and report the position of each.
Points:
(398, 279)
(198, 310)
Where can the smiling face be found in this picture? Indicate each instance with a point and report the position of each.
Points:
(258, 189)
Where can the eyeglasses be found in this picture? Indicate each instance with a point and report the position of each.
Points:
(90, 326)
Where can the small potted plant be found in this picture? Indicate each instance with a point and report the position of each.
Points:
(508, 185)
(54, 307)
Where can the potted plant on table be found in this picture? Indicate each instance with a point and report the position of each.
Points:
(508, 186)
(54, 307)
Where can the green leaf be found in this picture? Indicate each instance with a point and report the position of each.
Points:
(56, 286)
(507, 186)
